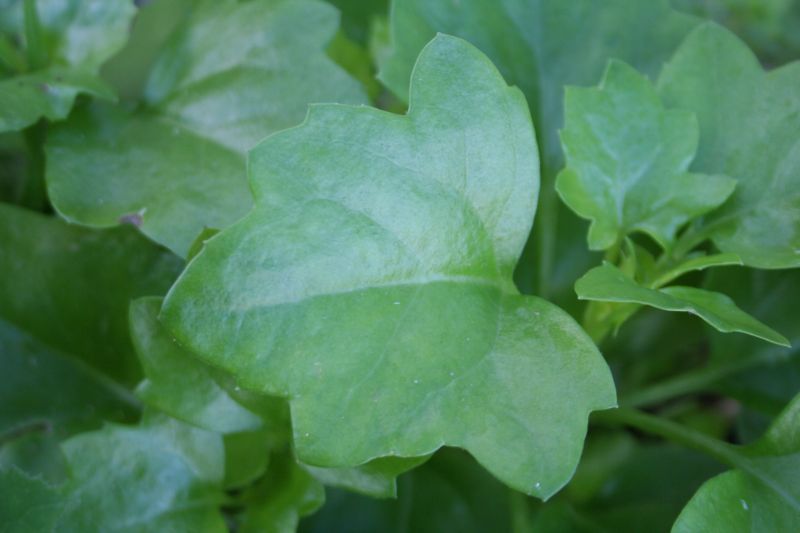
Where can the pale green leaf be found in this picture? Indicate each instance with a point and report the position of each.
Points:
(541, 46)
(608, 284)
(372, 285)
(627, 160)
(77, 37)
(177, 382)
(233, 73)
(750, 131)
(762, 494)
(376, 478)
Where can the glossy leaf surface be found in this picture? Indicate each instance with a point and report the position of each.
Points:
(609, 284)
(371, 286)
(627, 160)
(749, 130)
(233, 73)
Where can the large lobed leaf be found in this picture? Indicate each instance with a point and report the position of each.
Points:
(749, 130)
(371, 285)
(233, 73)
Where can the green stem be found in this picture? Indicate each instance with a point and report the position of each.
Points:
(33, 190)
(691, 382)
(34, 39)
(671, 431)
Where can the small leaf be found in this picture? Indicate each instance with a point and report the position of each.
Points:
(234, 73)
(372, 285)
(177, 382)
(73, 39)
(627, 160)
(608, 284)
(694, 264)
(762, 494)
(750, 131)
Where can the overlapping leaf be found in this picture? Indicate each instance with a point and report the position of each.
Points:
(762, 493)
(233, 73)
(65, 43)
(627, 160)
(371, 285)
(607, 283)
(541, 46)
(750, 131)
(160, 476)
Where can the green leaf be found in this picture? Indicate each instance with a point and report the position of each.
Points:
(177, 382)
(286, 494)
(608, 284)
(693, 264)
(627, 160)
(173, 472)
(77, 397)
(233, 73)
(449, 493)
(28, 503)
(376, 478)
(371, 285)
(762, 494)
(68, 41)
(69, 287)
(541, 46)
(749, 130)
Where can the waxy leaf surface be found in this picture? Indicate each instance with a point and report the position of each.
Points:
(233, 73)
(749, 130)
(627, 160)
(541, 46)
(762, 494)
(75, 38)
(607, 283)
(372, 285)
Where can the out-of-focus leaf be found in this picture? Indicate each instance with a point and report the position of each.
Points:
(750, 131)
(233, 73)
(28, 503)
(762, 494)
(609, 284)
(372, 287)
(627, 160)
(76, 38)
(69, 287)
(278, 502)
(449, 493)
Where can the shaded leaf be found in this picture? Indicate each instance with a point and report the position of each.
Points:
(762, 494)
(369, 229)
(750, 131)
(607, 283)
(69, 287)
(233, 73)
(627, 160)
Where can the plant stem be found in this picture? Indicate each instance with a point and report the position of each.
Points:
(691, 382)
(34, 39)
(671, 431)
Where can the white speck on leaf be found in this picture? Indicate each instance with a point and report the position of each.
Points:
(744, 505)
